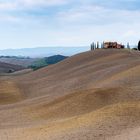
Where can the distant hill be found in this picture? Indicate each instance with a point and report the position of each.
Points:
(15, 60)
(34, 63)
(54, 59)
(47, 61)
(9, 68)
(44, 51)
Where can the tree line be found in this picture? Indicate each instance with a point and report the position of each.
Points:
(98, 45)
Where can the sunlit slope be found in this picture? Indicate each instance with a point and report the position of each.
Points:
(87, 70)
(9, 92)
(92, 95)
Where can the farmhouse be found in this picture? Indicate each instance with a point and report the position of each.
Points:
(113, 45)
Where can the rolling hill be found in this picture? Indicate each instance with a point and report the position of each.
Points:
(34, 63)
(46, 61)
(15, 60)
(92, 95)
(9, 68)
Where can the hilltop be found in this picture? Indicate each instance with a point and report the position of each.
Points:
(91, 95)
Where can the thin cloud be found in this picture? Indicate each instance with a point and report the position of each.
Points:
(8, 6)
(37, 3)
(62, 22)
(20, 4)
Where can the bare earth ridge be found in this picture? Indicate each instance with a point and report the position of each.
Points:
(6, 68)
(91, 96)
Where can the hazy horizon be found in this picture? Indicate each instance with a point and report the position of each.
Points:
(47, 51)
(44, 51)
(40, 47)
(31, 23)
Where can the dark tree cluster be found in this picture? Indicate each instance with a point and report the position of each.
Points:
(93, 46)
(139, 45)
(98, 45)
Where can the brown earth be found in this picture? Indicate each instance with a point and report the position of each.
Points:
(7, 68)
(91, 96)
(24, 62)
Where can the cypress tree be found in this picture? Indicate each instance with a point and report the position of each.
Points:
(92, 46)
(128, 46)
(139, 45)
(97, 45)
(102, 45)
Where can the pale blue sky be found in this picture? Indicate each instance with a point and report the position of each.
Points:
(34, 23)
